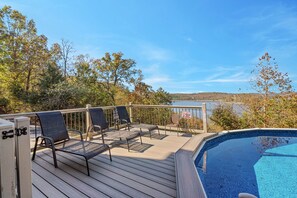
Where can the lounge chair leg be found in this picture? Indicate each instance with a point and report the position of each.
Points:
(159, 131)
(140, 138)
(35, 148)
(110, 155)
(102, 136)
(54, 156)
(150, 134)
(87, 166)
(128, 145)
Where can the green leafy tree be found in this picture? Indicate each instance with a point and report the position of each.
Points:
(275, 98)
(36, 77)
(225, 117)
(114, 71)
(24, 55)
(162, 97)
(86, 77)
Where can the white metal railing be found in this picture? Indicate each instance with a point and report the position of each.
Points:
(191, 118)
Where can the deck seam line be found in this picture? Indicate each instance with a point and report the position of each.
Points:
(90, 162)
(172, 175)
(155, 174)
(139, 175)
(62, 179)
(50, 184)
(101, 174)
(39, 190)
(90, 176)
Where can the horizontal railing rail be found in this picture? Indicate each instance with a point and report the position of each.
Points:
(191, 118)
(187, 118)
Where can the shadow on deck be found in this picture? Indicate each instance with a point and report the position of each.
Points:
(147, 171)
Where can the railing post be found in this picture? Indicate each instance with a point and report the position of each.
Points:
(7, 161)
(204, 115)
(23, 156)
(130, 111)
(88, 123)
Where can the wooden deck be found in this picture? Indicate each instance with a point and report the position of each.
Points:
(148, 170)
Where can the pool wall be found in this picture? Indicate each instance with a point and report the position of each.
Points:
(187, 180)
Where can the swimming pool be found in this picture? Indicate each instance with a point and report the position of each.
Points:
(260, 162)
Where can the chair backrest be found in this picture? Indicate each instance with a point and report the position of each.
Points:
(175, 118)
(53, 125)
(98, 118)
(123, 114)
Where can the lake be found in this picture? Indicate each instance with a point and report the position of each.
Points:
(210, 105)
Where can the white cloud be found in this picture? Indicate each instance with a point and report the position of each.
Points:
(275, 23)
(189, 39)
(151, 69)
(155, 80)
(224, 75)
(154, 53)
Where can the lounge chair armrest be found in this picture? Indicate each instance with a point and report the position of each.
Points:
(46, 138)
(124, 120)
(77, 131)
(98, 126)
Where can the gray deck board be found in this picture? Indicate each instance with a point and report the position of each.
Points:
(142, 179)
(46, 187)
(168, 171)
(37, 193)
(118, 182)
(99, 182)
(133, 171)
(57, 182)
(78, 184)
(149, 173)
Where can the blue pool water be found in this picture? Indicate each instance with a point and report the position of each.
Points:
(263, 163)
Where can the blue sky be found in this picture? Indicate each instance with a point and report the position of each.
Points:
(182, 46)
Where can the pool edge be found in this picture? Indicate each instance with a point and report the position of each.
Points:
(187, 183)
(184, 167)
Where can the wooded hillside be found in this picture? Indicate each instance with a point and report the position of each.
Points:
(216, 96)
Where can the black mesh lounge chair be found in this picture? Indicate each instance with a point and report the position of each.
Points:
(55, 136)
(123, 118)
(101, 126)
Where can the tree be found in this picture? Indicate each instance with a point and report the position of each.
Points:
(23, 55)
(66, 51)
(275, 99)
(36, 77)
(225, 117)
(268, 80)
(162, 97)
(86, 77)
(142, 94)
(114, 72)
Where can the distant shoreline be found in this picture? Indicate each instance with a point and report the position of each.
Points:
(219, 101)
(198, 100)
(212, 96)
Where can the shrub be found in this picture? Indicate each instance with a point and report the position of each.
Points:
(225, 117)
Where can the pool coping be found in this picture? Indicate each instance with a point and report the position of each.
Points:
(187, 183)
